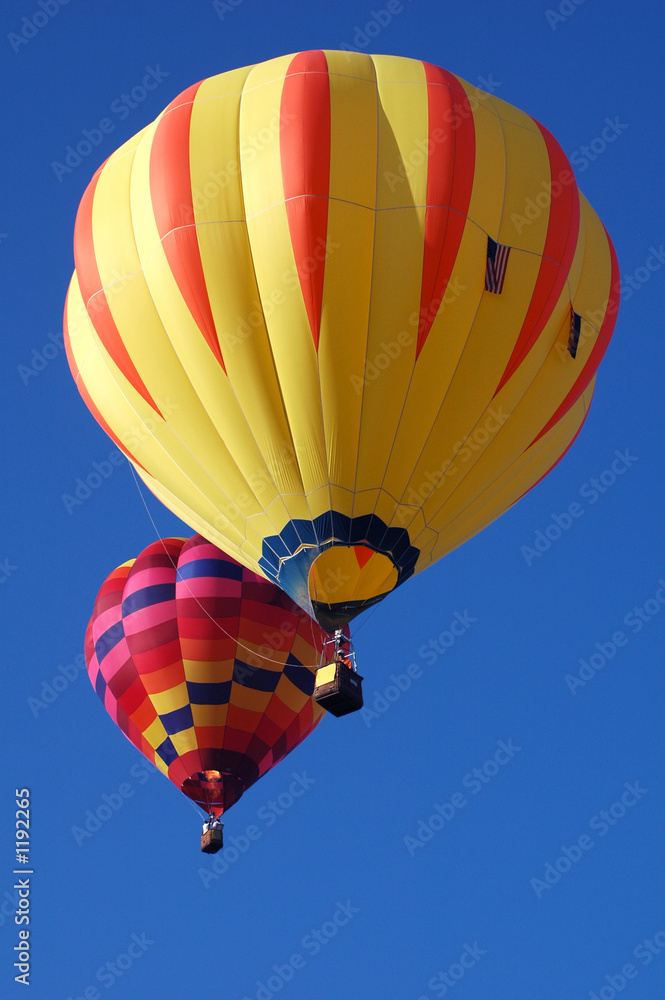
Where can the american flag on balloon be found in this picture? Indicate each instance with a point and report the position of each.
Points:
(575, 330)
(495, 269)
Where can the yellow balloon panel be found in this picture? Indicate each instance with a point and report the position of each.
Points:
(340, 311)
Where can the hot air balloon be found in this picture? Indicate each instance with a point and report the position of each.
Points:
(340, 311)
(206, 667)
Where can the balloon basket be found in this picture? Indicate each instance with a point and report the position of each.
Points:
(338, 689)
(212, 841)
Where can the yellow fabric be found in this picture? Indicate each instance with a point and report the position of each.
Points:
(324, 675)
(284, 431)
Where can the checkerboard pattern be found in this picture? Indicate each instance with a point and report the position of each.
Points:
(205, 666)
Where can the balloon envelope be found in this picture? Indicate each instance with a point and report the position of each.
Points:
(341, 311)
(206, 667)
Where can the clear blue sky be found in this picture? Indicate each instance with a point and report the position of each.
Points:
(404, 908)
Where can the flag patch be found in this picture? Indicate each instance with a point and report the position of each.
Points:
(575, 328)
(495, 270)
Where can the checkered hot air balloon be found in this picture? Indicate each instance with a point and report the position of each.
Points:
(206, 667)
(323, 304)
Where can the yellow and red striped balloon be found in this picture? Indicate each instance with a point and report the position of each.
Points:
(282, 314)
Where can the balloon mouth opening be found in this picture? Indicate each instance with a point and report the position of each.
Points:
(213, 791)
(346, 579)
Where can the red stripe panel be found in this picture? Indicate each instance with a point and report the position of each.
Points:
(268, 731)
(107, 605)
(152, 641)
(261, 612)
(197, 548)
(196, 610)
(106, 600)
(73, 367)
(133, 697)
(87, 398)
(122, 679)
(163, 552)
(90, 283)
(89, 652)
(598, 350)
(164, 679)
(89, 402)
(560, 243)
(565, 452)
(257, 749)
(179, 771)
(209, 736)
(144, 716)
(173, 208)
(305, 155)
(451, 156)
(110, 593)
(236, 740)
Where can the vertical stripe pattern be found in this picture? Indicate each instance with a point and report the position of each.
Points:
(280, 311)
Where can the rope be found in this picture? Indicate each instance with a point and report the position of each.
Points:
(239, 644)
